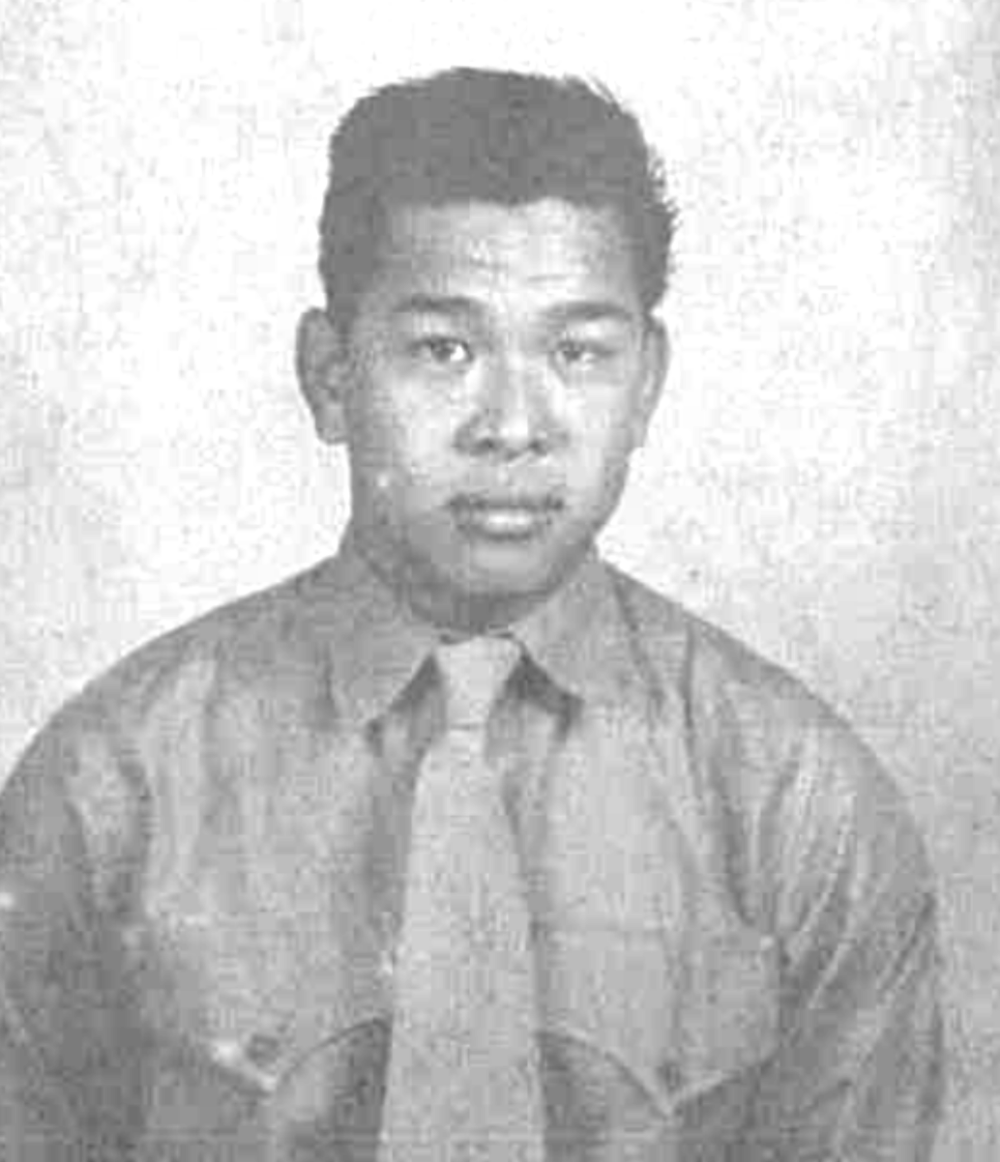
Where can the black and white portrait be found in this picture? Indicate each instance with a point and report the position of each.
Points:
(498, 538)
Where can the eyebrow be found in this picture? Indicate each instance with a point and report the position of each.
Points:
(594, 311)
(584, 311)
(425, 304)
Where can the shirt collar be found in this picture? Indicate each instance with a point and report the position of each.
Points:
(579, 637)
(375, 643)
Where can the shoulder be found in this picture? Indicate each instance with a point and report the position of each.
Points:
(156, 709)
(228, 644)
(802, 795)
(724, 679)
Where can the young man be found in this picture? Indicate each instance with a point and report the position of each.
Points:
(275, 888)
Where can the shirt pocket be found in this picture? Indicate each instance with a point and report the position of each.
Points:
(729, 1019)
(327, 1104)
(727, 1032)
(298, 1096)
(613, 987)
(251, 1059)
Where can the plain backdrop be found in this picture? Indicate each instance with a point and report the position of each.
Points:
(823, 477)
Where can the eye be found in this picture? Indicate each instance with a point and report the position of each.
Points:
(581, 353)
(442, 350)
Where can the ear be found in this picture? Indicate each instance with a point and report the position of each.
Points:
(324, 370)
(656, 362)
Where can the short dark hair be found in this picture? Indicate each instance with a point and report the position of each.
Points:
(479, 135)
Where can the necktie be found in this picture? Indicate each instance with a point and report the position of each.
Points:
(463, 1078)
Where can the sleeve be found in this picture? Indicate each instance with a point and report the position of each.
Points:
(858, 1074)
(70, 1081)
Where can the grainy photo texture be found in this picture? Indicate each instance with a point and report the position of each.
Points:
(456, 821)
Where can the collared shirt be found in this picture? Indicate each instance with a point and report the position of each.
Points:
(202, 862)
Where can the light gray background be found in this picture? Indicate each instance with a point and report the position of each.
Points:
(823, 476)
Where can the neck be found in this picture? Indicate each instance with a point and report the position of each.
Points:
(451, 611)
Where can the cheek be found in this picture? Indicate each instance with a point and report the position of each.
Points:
(604, 436)
(385, 434)
(406, 459)
(419, 448)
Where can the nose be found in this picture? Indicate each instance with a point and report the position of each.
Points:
(514, 412)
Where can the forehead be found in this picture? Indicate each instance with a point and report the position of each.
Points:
(549, 248)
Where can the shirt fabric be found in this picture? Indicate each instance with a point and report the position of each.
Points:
(203, 857)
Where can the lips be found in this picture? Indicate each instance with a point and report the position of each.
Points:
(505, 515)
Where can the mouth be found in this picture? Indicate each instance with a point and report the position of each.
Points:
(505, 516)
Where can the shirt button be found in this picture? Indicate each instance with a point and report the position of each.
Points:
(263, 1049)
(235, 1057)
(227, 1052)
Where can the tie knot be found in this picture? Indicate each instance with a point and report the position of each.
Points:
(473, 673)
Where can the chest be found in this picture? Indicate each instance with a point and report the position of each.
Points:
(263, 958)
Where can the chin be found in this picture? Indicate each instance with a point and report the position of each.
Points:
(506, 578)
(489, 579)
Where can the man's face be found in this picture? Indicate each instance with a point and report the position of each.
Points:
(500, 373)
